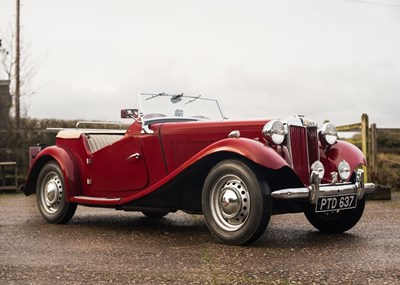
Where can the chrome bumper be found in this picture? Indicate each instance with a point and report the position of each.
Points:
(316, 189)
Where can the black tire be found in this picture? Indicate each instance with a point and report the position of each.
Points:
(236, 202)
(155, 215)
(50, 195)
(335, 222)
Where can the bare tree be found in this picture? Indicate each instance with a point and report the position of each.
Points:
(5, 60)
(28, 69)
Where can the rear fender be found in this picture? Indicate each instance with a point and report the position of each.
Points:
(67, 164)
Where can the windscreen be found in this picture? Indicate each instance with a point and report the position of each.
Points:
(179, 105)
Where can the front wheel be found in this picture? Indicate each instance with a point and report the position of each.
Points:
(50, 195)
(335, 222)
(236, 202)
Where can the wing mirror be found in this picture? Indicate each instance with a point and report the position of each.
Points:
(129, 114)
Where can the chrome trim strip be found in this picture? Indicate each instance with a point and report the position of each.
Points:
(76, 133)
(95, 200)
(99, 199)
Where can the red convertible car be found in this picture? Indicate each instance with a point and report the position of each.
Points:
(181, 153)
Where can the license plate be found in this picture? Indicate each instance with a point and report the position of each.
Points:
(336, 203)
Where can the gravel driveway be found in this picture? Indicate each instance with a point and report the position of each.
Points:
(102, 246)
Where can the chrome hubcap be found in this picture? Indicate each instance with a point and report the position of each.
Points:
(230, 203)
(52, 194)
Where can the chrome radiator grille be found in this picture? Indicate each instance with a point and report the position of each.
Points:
(303, 147)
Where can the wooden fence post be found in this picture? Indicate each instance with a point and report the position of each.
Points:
(364, 141)
(374, 149)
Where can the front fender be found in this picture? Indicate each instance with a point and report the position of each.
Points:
(68, 168)
(342, 150)
(251, 149)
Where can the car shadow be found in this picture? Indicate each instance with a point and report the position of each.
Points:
(127, 222)
(190, 229)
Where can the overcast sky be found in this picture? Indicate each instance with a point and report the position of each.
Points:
(326, 59)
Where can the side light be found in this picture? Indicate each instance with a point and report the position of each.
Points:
(344, 170)
(274, 132)
(318, 168)
(234, 134)
(328, 134)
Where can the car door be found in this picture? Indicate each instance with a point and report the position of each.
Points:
(119, 167)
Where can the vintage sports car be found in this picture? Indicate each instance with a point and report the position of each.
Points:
(181, 153)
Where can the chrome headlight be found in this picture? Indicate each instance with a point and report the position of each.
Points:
(328, 134)
(344, 170)
(274, 132)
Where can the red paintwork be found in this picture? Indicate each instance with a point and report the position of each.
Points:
(251, 149)
(339, 151)
(110, 169)
(164, 155)
(68, 166)
(182, 141)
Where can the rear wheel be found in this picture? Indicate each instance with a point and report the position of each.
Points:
(50, 195)
(236, 202)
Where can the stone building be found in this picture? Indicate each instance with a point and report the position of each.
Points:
(5, 104)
